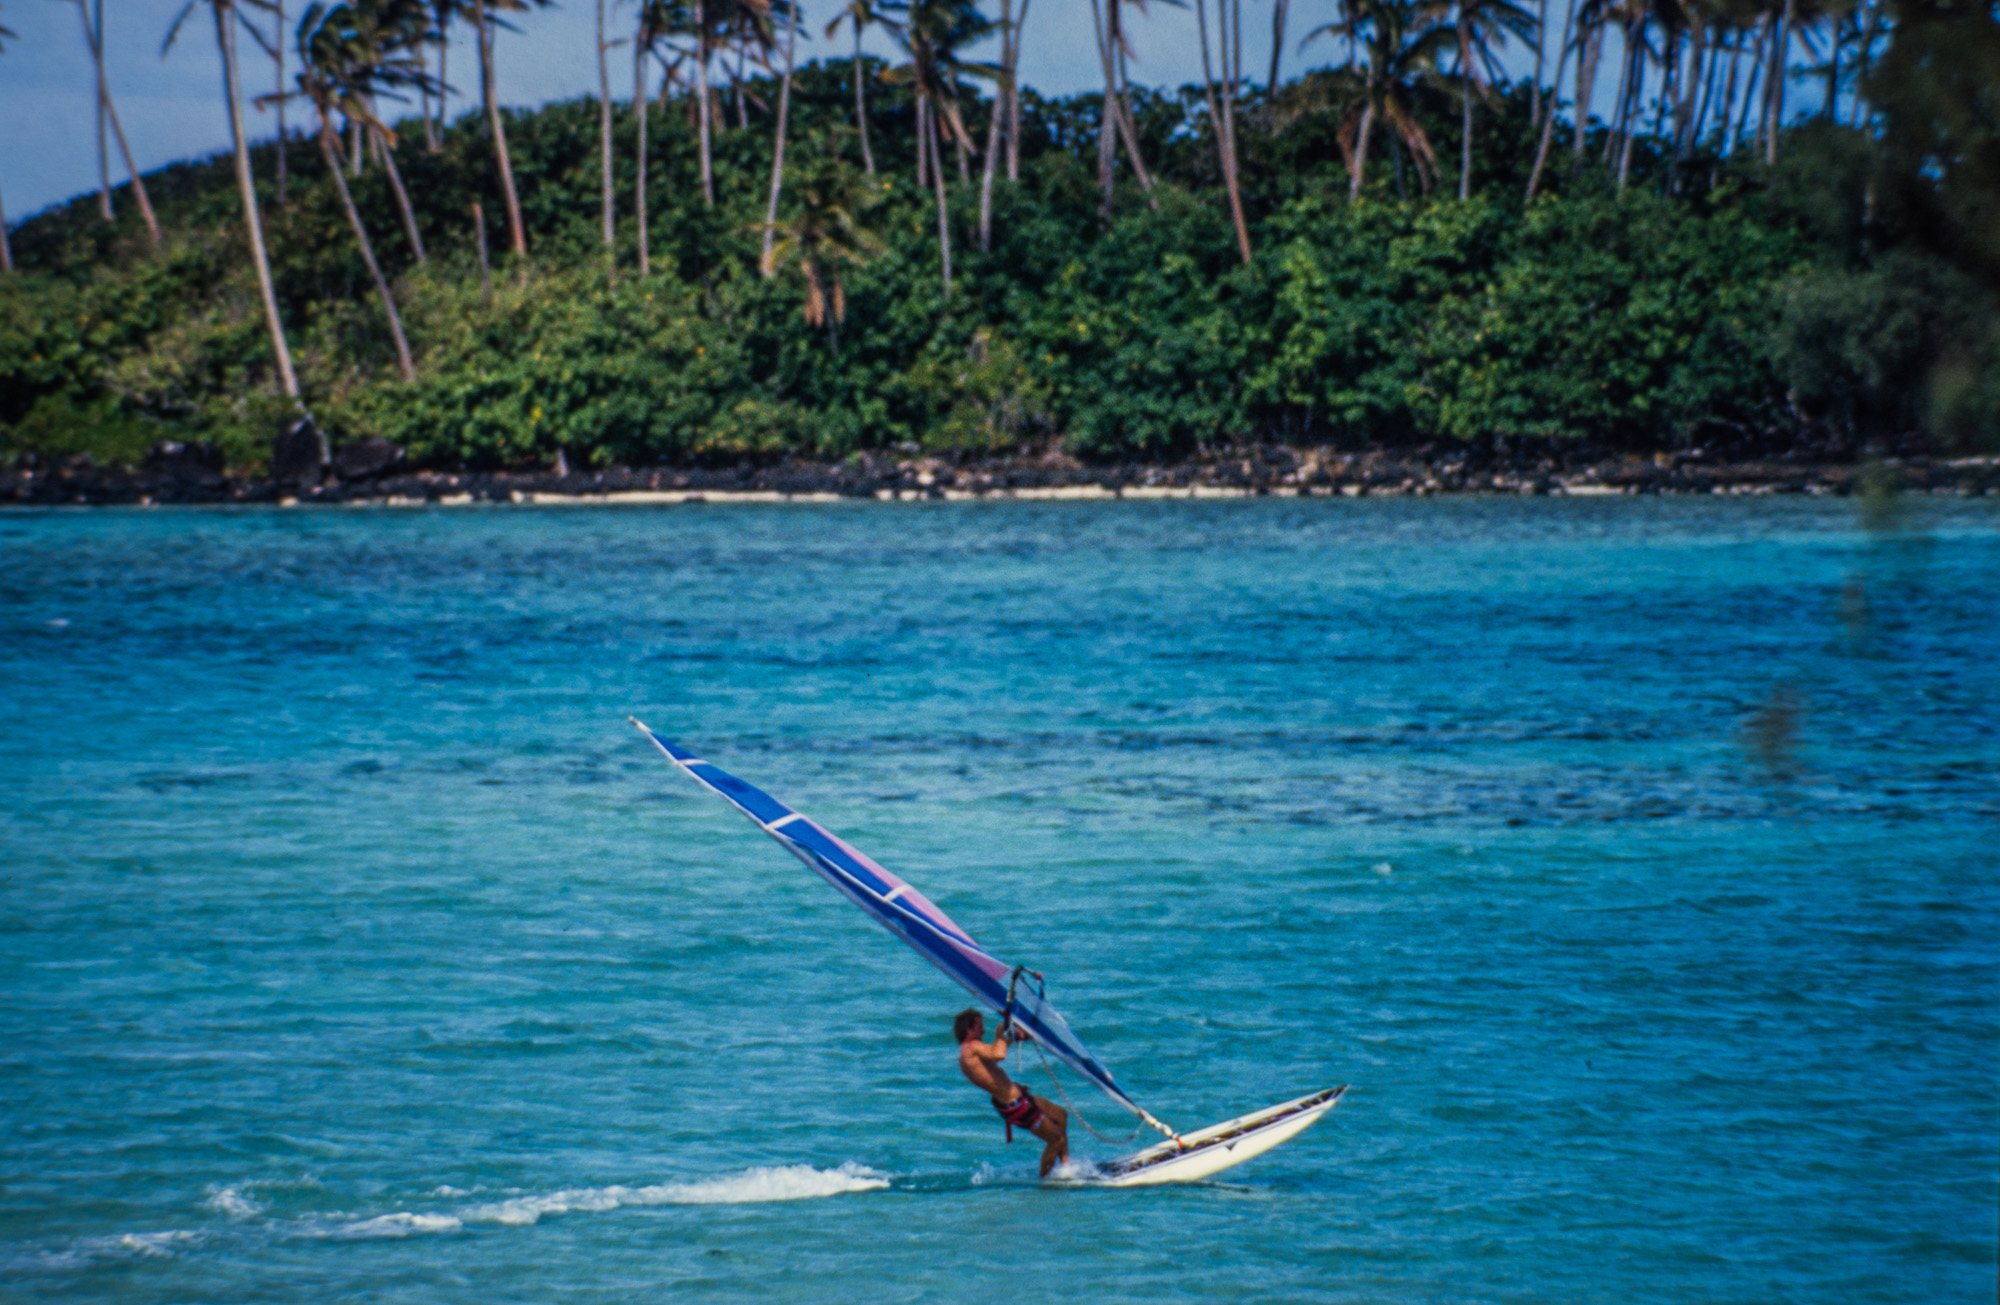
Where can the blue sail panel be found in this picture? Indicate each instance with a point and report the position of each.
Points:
(903, 911)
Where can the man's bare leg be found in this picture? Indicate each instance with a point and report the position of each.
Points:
(1054, 1130)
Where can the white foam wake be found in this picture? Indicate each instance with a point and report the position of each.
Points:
(768, 1183)
(400, 1224)
(116, 1246)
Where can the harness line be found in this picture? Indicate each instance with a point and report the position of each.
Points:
(1071, 1105)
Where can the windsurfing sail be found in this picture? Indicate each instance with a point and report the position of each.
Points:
(908, 914)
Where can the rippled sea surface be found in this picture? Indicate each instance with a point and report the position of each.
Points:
(1634, 862)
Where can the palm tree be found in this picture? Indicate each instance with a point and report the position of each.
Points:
(1482, 25)
(1115, 121)
(858, 14)
(442, 12)
(1002, 97)
(1278, 14)
(1549, 122)
(1012, 87)
(484, 22)
(932, 32)
(604, 136)
(827, 229)
(389, 39)
(1403, 41)
(1222, 117)
(704, 50)
(656, 18)
(784, 113)
(224, 12)
(93, 35)
(6, 246)
(344, 67)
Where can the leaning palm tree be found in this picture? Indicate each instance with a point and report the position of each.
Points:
(1115, 121)
(1222, 106)
(93, 36)
(484, 21)
(1482, 26)
(858, 14)
(343, 68)
(828, 228)
(1399, 43)
(932, 32)
(225, 13)
(383, 44)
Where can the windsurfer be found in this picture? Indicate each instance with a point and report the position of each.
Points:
(980, 1062)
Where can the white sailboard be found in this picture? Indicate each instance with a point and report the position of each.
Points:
(907, 913)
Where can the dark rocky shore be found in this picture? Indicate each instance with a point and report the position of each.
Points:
(374, 472)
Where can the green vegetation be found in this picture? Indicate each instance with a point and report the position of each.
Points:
(1654, 294)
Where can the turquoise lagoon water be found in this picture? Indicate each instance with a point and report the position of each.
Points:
(1634, 861)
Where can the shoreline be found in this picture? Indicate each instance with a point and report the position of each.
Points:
(373, 477)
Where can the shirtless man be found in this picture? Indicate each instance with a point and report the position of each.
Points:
(980, 1061)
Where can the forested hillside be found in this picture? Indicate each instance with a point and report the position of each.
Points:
(1661, 289)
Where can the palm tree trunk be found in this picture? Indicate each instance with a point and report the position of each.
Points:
(778, 146)
(944, 215)
(1107, 117)
(326, 150)
(1716, 51)
(107, 111)
(1361, 151)
(1750, 86)
(1632, 112)
(1618, 101)
(1861, 58)
(354, 138)
(485, 264)
(1232, 76)
(1014, 98)
(1773, 71)
(278, 100)
(1278, 42)
(923, 141)
(993, 127)
(1128, 128)
(1735, 52)
(1684, 108)
(403, 208)
(1541, 43)
(1223, 154)
(431, 136)
(1586, 81)
(606, 200)
(1781, 57)
(639, 112)
(701, 55)
(861, 102)
(246, 190)
(1549, 122)
(1107, 150)
(741, 87)
(1465, 127)
(516, 235)
(93, 33)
